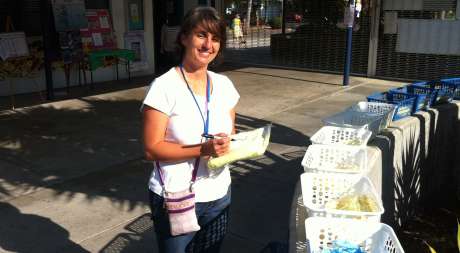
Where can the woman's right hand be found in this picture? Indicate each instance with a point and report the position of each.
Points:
(216, 147)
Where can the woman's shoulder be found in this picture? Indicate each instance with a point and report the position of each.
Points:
(224, 83)
(170, 74)
(220, 78)
(167, 79)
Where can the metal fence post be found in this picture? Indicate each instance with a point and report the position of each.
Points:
(348, 20)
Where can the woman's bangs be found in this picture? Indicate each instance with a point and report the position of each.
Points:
(212, 27)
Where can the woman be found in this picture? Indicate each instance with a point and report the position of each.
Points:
(237, 29)
(181, 106)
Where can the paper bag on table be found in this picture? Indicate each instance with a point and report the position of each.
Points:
(245, 145)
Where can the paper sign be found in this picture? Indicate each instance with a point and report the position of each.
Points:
(391, 22)
(13, 45)
(135, 41)
(97, 39)
(104, 22)
(349, 16)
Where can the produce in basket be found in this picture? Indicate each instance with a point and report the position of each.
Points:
(355, 141)
(342, 246)
(367, 203)
(347, 166)
(362, 203)
(246, 145)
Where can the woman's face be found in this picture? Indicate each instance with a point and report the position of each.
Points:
(201, 47)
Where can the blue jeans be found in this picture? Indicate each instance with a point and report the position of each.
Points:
(205, 211)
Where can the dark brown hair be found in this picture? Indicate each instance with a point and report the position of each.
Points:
(206, 18)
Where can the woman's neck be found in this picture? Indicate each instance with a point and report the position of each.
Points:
(193, 72)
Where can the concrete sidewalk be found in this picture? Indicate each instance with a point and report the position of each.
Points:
(72, 177)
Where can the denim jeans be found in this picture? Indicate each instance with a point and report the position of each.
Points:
(205, 211)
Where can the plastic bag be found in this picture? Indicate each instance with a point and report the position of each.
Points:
(245, 145)
(354, 202)
(342, 246)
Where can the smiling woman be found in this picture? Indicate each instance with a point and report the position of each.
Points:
(200, 28)
(180, 107)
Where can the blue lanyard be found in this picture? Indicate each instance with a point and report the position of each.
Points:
(208, 98)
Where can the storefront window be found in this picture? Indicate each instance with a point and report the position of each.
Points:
(135, 9)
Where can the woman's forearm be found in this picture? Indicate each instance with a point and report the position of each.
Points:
(167, 151)
(156, 148)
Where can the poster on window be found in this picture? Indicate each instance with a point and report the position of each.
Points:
(135, 41)
(99, 20)
(135, 15)
(69, 14)
(96, 40)
(98, 34)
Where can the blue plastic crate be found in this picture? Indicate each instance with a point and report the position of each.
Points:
(456, 83)
(443, 92)
(422, 95)
(404, 103)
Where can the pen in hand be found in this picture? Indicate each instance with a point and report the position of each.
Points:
(210, 136)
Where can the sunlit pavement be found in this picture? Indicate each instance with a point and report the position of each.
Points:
(72, 177)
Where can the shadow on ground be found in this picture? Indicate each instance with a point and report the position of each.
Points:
(262, 191)
(42, 146)
(60, 94)
(22, 232)
(139, 237)
(95, 151)
(419, 186)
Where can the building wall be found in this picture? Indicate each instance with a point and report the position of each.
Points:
(189, 4)
(119, 17)
(418, 43)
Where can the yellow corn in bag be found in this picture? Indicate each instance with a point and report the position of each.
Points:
(246, 145)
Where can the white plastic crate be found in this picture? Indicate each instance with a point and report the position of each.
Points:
(319, 189)
(385, 110)
(335, 158)
(371, 237)
(373, 116)
(329, 135)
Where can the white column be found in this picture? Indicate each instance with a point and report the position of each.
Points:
(119, 20)
(458, 9)
(374, 37)
(149, 35)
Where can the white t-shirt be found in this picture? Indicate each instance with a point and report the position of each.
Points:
(170, 95)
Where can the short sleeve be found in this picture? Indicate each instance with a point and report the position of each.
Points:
(158, 98)
(232, 94)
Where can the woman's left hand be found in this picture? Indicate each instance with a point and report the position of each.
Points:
(216, 147)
